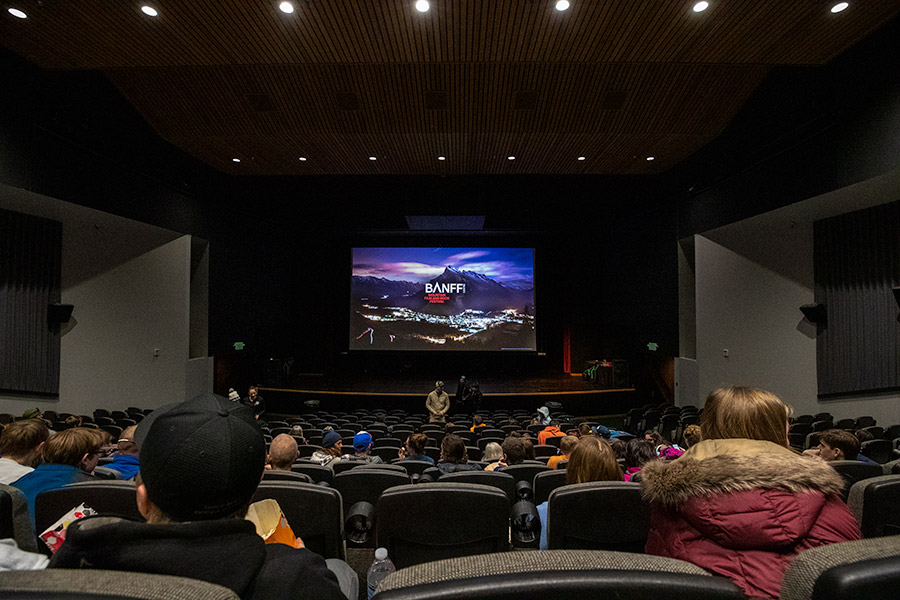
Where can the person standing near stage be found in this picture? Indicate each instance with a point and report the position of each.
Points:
(462, 391)
(438, 403)
(473, 398)
(256, 402)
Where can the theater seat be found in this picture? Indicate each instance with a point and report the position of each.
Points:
(526, 471)
(275, 475)
(876, 504)
(314, 513)
(556, 574)
(364, 485)
(853, 471)
(802, 577)
(546, 482)
(15, 522)
(422, 523)
(601, 515)
(88, 584)
(502, 481)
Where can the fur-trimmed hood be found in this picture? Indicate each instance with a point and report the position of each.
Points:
(725, 466)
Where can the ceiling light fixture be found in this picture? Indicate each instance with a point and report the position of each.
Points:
(372, 158)
(701, 6)
(580, 158)
(442, 158)
(840, 7)
(17, 13)
(286, 7)
(302, 159)
(510, 158)
(149, 11)
(562, 5)
(235, 160)
(649, 158)
(422, 5)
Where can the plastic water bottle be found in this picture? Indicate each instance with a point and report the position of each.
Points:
(381, 568)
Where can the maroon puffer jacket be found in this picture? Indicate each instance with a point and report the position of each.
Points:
(744, 516)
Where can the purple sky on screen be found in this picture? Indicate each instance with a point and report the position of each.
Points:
(423, 264)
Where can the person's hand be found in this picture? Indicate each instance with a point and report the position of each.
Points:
(298, 543)
(811, 452)
(401, 453)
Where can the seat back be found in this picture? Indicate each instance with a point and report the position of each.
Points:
(526, 471)
(876, 504)
(89, 584)
(502, 481)
(110, 498)
(422, 523)
(601, 515)
(853, 471)
(366, 485)
(16, 520)
(554, 574)
(877, 450)
(546, 482)
(314, 513)
(414, 467)
(275, 475)
(801, 578)
(317, 473)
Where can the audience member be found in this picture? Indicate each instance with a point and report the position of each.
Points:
(638, 453)
(492, 454)
(477, 421)
(474, 397)
(602, 431)
(297, 434)
(618, 447)
(528, 446)
(838, 444)
(454, 457)
(127, 459)
(462, 390)
(414, 448)
(330, 452)
(551, 430)
(566, 445)
(692, 435)
(438, 403)
(543, 416)
(69, 456)
(201, 463)
(584, 429)
(255, 402)
(592, 460)
(362, 448)
(20, 447)
(740, 503)
(33, 413)
(73, 421)
(283, 452)
(513, 454)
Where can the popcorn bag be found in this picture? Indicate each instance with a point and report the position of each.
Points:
(55, 535)
(271, 524)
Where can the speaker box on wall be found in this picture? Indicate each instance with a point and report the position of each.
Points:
(815, 313)
(57, 314)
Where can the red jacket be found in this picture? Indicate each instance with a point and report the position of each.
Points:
(742, 509)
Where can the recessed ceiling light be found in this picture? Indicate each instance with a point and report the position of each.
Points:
(510, 158)
(422, 5)
(372, 158)
(17, 13)
(302, 159)
(562, 5)
(286, 7)
(235, 160)
(442, 158)
(580, 158)
(701, 6)
(651, 158)
(840, 7)
(149, 11)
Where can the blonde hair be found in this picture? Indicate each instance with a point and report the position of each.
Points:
(592, 460)
(492, 452)
(744, 412)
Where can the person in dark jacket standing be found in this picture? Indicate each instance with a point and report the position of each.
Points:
(740, 503)
(201, 462)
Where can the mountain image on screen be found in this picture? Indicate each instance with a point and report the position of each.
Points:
(458, 309)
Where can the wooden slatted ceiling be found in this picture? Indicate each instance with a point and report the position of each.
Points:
(99, 34)
(202, 70)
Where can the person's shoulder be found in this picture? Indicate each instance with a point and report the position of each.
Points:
(295, 573)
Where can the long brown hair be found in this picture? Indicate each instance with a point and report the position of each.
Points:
(744, 412)
(592, 460)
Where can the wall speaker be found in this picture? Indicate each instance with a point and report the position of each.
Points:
(815, 313)
(57, 314)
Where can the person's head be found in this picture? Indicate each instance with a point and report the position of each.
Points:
(543, 413)
(283, 452)
(567, 444)
(837, 444)
(126, 443)
(584, 429)
(592, 460)
(492, 452)
(603, 432)
(462, 378)
(297, 431)
(415, 443)
(513, 450)
(477, 420)
(362, 442)
(439, 386)
(331, 442)
(76, 447)
(33, 413)
(744, 412)
(528, 445)
(453, 449)
(692, 435)
(655, 437)
(200, 460)
(618, 447)
(639, 452)
(23, 440)
(73, 421)
(253, 392)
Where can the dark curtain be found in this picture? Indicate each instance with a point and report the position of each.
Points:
(30, 257)
(857, 262)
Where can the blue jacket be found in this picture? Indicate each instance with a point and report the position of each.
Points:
(125, 464)
(48, 477)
